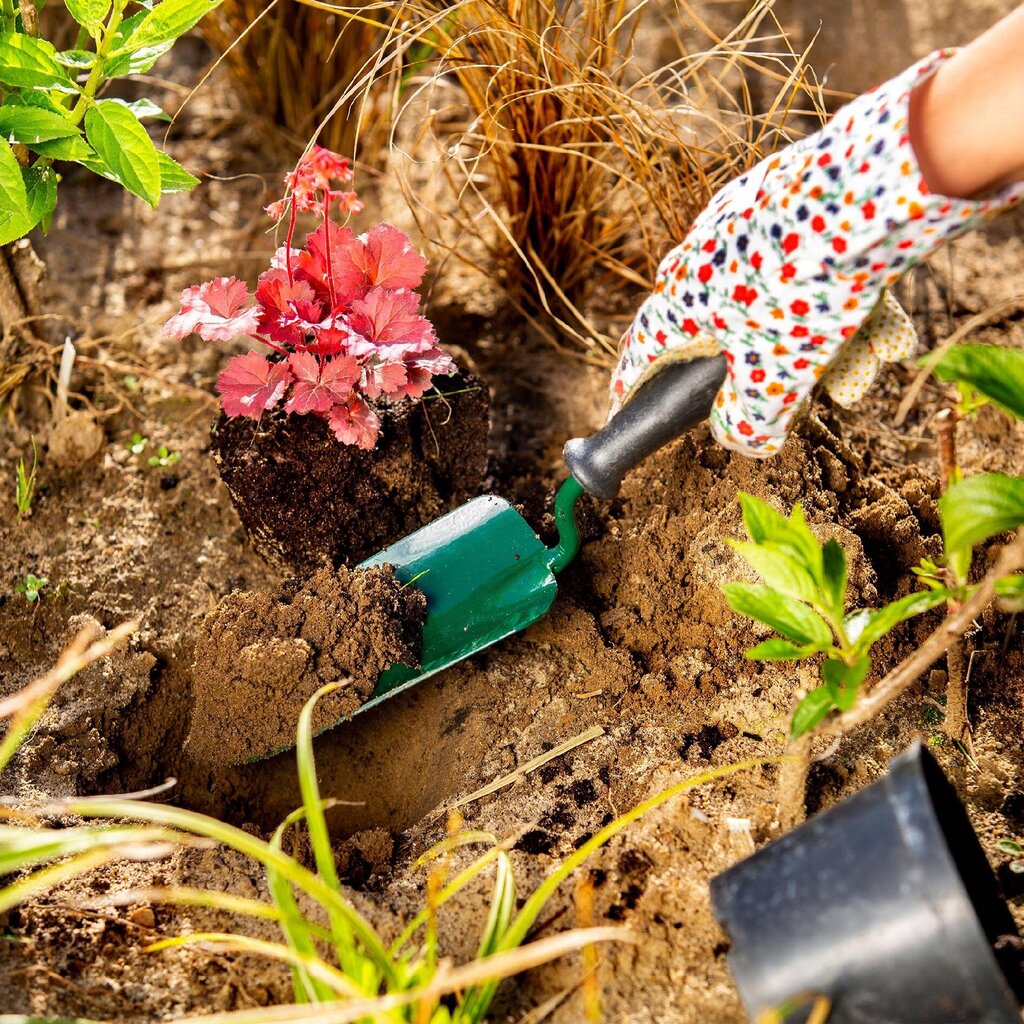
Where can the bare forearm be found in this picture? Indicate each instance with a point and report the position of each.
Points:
(967, 120)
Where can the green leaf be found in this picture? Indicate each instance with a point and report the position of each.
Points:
(766, 526)
(881, 620)
(784, 614)
(167, 21)
(1011, 589)
(760, 519)
(74, 148)
(144, 108)
(998, 373)
(781, 650)
(843, 681)
(77, 60)
(779, 569)
(979, 507)
(811, 710)
(28, 63)
(134, 62)
(833, 571)
(41, 189)
(174, 177)
(15, 217)
(90, 14)
(790, 538)
(124, 147)
(30, 125)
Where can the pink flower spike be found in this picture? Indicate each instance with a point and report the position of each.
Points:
(349, 203)
(355, 423)
(319, 385)
(215, 311)
(251, 384)
(330, 165)
(276, 210)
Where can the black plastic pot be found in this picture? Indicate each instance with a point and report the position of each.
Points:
(885, 904)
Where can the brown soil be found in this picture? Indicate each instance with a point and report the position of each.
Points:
(306, 499)
(261, 654)
(640, 645)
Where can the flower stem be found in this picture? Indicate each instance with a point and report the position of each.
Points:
(327, 245)
(288, 241)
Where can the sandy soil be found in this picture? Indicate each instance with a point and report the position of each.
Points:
(640, 647)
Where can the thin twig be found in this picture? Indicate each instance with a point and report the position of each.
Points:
(532, 765)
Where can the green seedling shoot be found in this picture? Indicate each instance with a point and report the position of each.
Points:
(137, 445)
(164, 457)
(31, 587)
(25, 484)
(804, 599)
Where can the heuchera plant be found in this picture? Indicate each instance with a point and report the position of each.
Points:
(340, 315)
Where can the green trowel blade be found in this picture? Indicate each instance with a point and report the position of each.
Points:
(485, 574)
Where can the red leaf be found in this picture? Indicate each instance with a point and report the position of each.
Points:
(251, 384)
(312, 260)
(383, 257)
(215, 310)
(390, 320)
(320, 383)
(355, 423)
(383, 379)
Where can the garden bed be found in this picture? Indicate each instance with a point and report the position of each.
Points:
(640, 661)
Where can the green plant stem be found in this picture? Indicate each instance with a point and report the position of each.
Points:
(845, 647)
(95, 79)
(10, 14)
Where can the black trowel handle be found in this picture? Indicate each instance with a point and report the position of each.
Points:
(670, 403)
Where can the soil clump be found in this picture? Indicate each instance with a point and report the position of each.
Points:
(261, 654)
(305, 498)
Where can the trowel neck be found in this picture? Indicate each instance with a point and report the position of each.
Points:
(565, 520)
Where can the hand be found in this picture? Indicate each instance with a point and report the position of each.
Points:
(786, 271)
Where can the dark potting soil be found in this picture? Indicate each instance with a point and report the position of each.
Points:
(261, 655)
(305, 498)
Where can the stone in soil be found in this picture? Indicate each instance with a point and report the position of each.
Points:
(307, 499)
(262, 654)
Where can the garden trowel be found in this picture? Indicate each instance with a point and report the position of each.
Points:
(484, 571)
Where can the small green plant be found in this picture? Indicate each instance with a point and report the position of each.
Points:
(31, 586)
(51, 107)
(25, 483)
(804, 595)
(164, 457)
(804, 599)
(137, 445)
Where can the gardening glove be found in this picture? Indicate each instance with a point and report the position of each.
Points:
(785, 272)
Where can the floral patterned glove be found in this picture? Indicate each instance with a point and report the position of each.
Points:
(786, 271)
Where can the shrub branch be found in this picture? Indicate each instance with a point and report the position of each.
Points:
(1010, 560)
